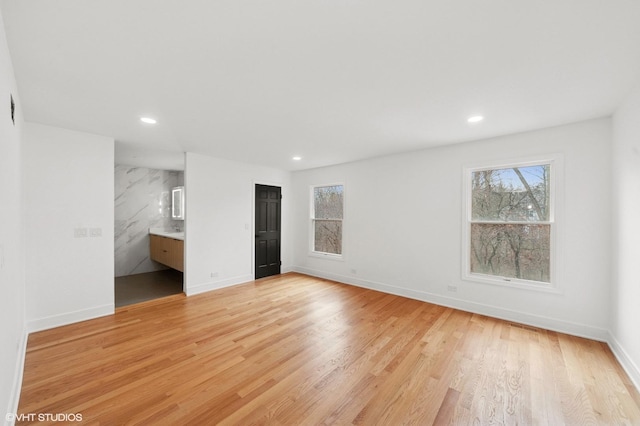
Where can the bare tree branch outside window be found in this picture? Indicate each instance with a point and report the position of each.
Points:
(328, 211)
(510, 226)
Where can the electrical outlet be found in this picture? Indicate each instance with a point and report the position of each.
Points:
(214, 274)
(452, 288)
(80, 232)
(354, 271)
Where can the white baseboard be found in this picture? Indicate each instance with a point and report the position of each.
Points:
(630, 367)
(575, 329)
(16, 387)
(70, 318)
(215, 285)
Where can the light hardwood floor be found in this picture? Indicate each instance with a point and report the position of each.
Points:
(299, 350)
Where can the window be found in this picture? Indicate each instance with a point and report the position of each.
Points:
(327, 208)
(510, 223)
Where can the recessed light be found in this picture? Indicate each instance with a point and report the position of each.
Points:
(297, 158)
(148, 120)
(475, 119)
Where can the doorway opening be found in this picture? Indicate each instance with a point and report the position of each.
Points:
(149, 239)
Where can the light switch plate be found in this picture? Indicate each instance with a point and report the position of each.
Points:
(80, 232)
(95, 232)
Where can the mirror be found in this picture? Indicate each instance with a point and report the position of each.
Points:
(177, 203)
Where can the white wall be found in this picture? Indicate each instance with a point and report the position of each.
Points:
(219, 222)
(12, 286)
(68, 184)
(403, 224)
(625, 318)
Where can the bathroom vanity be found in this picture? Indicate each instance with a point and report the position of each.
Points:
(167, 248)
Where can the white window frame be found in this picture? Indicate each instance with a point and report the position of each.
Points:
(556, 163)
(312, 234)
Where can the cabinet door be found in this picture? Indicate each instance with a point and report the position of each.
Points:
(159, 249)
(155, 247)
(165, 257)
(177, 255)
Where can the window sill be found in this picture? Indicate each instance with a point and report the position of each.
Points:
(512, 283)
(329, 256)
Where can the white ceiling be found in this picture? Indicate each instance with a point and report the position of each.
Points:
(332, 81)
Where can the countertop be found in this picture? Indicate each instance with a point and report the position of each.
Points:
(176, 235)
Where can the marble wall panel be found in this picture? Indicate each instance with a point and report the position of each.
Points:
(142, 201)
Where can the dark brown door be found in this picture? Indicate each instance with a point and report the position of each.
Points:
(268, 199)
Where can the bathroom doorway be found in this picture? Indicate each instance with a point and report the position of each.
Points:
(143, 207)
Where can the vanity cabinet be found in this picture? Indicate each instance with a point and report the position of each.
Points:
(168, 251)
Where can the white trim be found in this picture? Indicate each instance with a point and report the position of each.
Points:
(553, 324)
(630, 367)
(70, 318)
(556, 162)
(216, 285)
(285, 269)
(16, 388)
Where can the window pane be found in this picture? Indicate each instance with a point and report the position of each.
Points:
(511, 250)
(328, 202)
(511, 194)
(328, 236)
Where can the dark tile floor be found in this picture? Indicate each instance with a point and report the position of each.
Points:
(138, 288)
